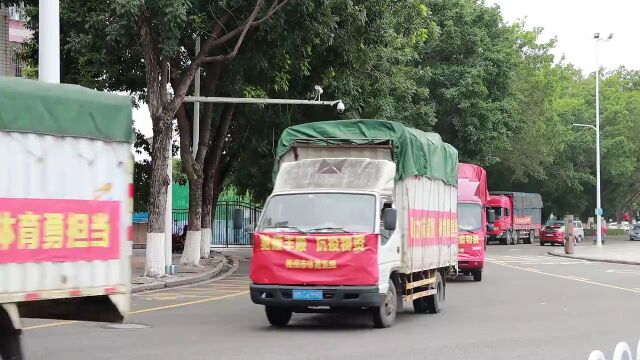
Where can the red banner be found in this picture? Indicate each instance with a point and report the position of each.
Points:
(335, 259)
(55, 230)
(432, 227)
(470, 247)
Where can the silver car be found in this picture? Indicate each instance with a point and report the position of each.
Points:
(634, 233)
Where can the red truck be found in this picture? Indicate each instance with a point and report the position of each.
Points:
(518, 216)
(473, 219)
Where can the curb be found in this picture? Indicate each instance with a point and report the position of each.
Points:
(610, 261)
(162, 284)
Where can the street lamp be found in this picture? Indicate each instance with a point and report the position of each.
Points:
(597, 38)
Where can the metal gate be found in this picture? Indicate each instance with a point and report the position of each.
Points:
(223, 233)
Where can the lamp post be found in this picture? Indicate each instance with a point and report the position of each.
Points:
(597, 38)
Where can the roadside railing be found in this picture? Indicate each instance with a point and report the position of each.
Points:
(621, 352)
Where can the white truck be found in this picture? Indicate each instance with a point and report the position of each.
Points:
(362, 216)
(65, 206)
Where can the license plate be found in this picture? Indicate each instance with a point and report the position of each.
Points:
(307, 295)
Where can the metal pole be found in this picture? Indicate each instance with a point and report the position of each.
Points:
(196, 105)
(598, 203)
(49, 41)
(230, 100)
(168, 214)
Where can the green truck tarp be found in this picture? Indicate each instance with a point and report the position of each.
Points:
(415, 152)
(30, 106)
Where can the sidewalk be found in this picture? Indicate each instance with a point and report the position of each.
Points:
(617, 249)
(207, 269)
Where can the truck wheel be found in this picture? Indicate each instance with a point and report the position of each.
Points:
(514, 238)
(10, 348)
(278, 316)
(542, 243)
(477, 275)
(532, 237)
(507, 239)
(436, 301)
(385, 315)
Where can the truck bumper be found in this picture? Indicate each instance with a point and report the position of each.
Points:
(470, 264)
(336, 296)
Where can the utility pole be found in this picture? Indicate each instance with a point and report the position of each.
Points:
(49, 41)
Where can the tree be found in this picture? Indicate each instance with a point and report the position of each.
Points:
(143, 47)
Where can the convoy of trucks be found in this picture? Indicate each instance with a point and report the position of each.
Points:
(364, 215)
(66, 198)
(518, 216)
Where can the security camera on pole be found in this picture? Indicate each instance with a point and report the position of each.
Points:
(206, 235)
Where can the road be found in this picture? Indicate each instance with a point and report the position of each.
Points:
(528, 306)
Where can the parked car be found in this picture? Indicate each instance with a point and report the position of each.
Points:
(634, 234)
(554, 233)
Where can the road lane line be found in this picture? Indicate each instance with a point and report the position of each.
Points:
(147, 310)
(49, 325)
(633, 290)
(188, 303)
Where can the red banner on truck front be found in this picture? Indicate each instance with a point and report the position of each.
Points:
(336, 259)
(55, 230)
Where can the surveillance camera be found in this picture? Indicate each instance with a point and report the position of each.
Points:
(318, 89)
(596, 35)
(340, 107)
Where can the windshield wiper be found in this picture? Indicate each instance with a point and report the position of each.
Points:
(328, 228)
(287, 227)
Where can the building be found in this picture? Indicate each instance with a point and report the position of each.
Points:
(13, 34)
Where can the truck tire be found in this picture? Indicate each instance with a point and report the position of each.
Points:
(384, 316)
(514, 238)
(531, 238)
(507, 239)
(436, 301)
(278, 316)
(477, 275)
(10, 348)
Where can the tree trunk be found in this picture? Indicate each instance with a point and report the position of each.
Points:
(191, 253)
(155, 260)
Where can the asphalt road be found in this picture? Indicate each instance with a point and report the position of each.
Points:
(528, 306)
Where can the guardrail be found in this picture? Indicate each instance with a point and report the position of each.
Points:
(621, 352)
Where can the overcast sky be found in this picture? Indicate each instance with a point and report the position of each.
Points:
(573, 22)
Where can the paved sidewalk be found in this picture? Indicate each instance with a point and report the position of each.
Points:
(207, 269)
(617, 249)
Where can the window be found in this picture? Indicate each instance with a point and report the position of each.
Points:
(386, 234)
(497, 211)
(506, 211)
(354, 213)
(469, 217)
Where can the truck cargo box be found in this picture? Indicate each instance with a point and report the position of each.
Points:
(65, 201)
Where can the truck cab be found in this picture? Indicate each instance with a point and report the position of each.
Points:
(502, 228)
(473, 219)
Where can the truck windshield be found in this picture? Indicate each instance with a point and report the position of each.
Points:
(320, 212)
(469, 217)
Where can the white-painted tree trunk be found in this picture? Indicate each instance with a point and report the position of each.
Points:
(191, 253)
(155, 262)
(205, 244)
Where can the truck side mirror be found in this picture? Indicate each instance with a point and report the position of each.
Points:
(389, 218)
(491, 214)
(490, 227)
(238, 219)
